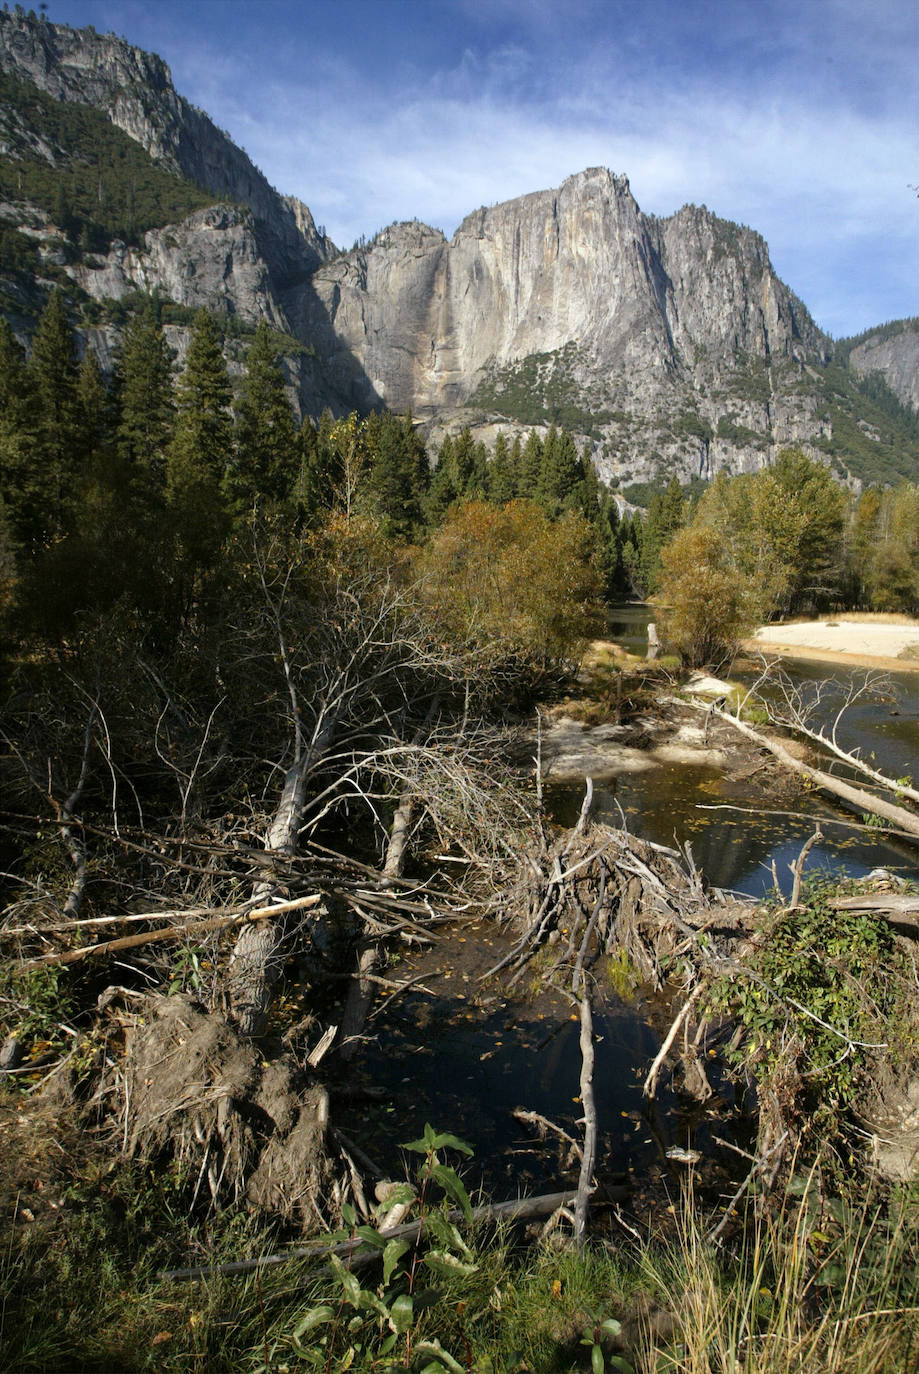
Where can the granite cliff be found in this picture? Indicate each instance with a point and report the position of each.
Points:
(893, 353)
(572, 305)
(252, 257)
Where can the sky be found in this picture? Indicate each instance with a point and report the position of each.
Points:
(795, 117)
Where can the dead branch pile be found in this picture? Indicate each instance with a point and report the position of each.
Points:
(599, 890)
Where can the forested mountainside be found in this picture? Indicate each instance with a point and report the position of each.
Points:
(669, 345)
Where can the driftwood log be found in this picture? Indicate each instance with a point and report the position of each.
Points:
(516, 1209)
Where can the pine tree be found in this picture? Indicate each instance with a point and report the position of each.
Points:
(399, 471)
(17, 467)
(266, 456)
(201, 447)
(560, 472)
(530, 467)
(666, 515)
(502, 484)
(93, 416)
(52, 376)
(146, 406)
(443, 490)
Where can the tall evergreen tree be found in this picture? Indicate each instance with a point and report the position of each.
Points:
(201, 447)
(443, 490)
(530, 467)
(560, 473)
(21, 492)
(666, 515)
(399, 474)
(266, 455)
(93, 417)
(502, 479)
(144, 384)
(52, 375)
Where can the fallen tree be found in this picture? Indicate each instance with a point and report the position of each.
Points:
(856, 798)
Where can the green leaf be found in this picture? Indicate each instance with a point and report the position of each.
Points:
(400, 1193)
(350, 1284)
(368, 1235)
(446, 1233)
(402, 1314)
(348, 1213)
(446, 1360)
(394, 1251)
(442, 1262)
(618, 1362)
(597, 1362)
(313, 1318)
(371, 1303)
(452, 1142)
(453, 1186)
(611, 1326)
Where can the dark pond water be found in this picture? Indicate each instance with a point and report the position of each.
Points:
(465, 1068)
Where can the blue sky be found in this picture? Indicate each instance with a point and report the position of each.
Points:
(797, 117)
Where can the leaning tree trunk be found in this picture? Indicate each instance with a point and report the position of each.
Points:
(258, 956)
(855, 797)
(360, 990)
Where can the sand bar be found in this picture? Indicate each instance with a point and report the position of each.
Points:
(891, 643)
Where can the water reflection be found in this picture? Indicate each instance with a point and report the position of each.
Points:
(739, 849)
(734, 848)
(467, 1072)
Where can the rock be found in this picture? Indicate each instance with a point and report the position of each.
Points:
(896, 357)
(617, 309)
(11, 1053)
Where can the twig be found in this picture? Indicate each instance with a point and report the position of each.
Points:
(798, 869)
(589, 1157)
(146, 937)
(651, 1081)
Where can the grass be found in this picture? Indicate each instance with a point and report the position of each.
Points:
(811, 1283)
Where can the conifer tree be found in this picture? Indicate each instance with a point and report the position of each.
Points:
(17, 466)
(201, 447)
(93, 416)
(144, 385)
(530, 467)
(52, 376)
(560, 474)
(399, 471)
(443, 490)
(266, 454)
(502, 484)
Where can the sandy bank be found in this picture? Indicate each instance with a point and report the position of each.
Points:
(891, 643)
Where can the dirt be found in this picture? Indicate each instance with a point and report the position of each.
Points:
(250, 1127)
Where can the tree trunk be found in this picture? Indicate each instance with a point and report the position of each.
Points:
(258, 956)
(856, 797)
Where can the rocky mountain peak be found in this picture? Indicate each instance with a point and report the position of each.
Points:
(135, 91)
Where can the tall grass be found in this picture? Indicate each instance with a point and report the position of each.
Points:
(818, 1285)
(811, 1285)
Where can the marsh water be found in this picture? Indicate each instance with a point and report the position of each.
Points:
(444, 1053)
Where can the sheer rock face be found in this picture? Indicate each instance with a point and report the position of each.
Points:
(614, 309)
(896, 357)
(578, 267)
(211, 259)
